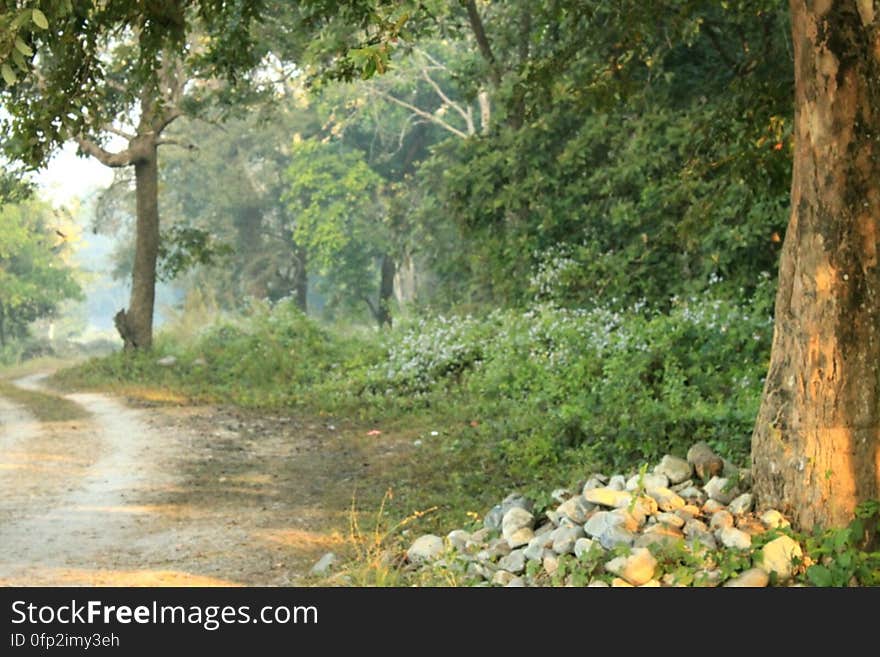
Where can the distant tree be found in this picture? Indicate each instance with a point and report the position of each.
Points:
(33, 277)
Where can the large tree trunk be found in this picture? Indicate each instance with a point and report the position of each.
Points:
(816, 444)
(136, 324)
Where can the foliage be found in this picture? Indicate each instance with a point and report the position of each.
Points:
(33, 277)
(334, 200)
(840, 553)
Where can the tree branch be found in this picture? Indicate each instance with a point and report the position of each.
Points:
(467, 116)
(483, 41)
(122, 159)
(176, 142)
(120, 133)
(426, 115)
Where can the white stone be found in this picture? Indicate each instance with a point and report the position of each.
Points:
(598, 584)
(773, 519)
(777, 556)
(520, 537)
(617, 482)
(670, 519)
(425, 548)
(721, 520)
(608, 497)
(692, 493)
(167, 361)
(752, 578)
(458, 539)
(713, 506)
(676, 469)
(647, 481)
(734, 538)
(666, 499)
(636, 569)
(516, 582)
(550, 563)
(514, 521)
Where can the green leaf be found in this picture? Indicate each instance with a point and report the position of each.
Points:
(819, 575)
(19, 61)
(39, 19)
(23, 48)
(8, 74)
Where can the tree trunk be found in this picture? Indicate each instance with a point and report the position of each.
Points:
(301, 279)
(136, 324)
(816, 444)
(2, 326)
(386, 292)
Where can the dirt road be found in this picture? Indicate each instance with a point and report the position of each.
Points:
(170, 496)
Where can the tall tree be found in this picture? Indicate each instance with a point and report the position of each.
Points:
(816, 444)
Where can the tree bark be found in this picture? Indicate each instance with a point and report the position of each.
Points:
(137, 321)
(816, 443)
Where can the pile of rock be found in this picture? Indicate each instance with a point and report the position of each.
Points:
(621, 523)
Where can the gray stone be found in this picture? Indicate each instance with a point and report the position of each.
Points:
(676, 469)
(583, 546)
(324, 565)
(167, 361)
(666, 499)
(608, 497)
(721, 489)
(564, 539)
(741, 505)
(777, 557)
(752, 578)
(425, 548)
(705, 462)
(647, 481)
(458, 539)
(515, 562)
(478, 571)
(535, 549)
(612, 528)
(721, 520)
(734, 538)
(495, 517)
(516, 583)
(577, 509)
(636, 569)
